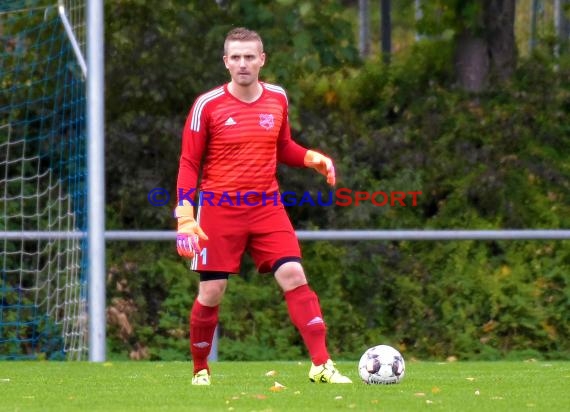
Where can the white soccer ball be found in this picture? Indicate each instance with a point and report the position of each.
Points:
(381, 364)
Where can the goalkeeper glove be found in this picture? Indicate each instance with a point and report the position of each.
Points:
(321, 164)
(189, 232)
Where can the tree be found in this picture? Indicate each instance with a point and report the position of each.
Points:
(561, 22)
(483, 32)
(364, 27)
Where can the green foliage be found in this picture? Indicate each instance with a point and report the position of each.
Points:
(293, 39)
(441, 16)
(150, 295)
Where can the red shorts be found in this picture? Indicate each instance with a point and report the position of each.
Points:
(264, 231)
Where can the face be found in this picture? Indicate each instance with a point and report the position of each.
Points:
(244, 60)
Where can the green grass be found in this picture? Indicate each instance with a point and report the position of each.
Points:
(244, 386)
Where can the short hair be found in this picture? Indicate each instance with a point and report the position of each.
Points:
(242, 34)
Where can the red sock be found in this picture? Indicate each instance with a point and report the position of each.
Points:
(305, 312)
(203, 321)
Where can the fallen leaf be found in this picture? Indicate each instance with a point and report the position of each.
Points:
(277, 387)
(271, 373)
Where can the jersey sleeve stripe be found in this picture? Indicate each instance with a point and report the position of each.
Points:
(200, 104)
(277, 89)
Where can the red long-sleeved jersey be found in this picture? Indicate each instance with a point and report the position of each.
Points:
(237, 144)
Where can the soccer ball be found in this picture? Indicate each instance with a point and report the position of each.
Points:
(381, 364)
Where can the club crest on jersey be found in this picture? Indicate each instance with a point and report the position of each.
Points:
(266, 121)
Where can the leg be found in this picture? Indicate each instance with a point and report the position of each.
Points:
(304, 309)
(221, 255)
(204, 317)
(305, 312)
(275, 248)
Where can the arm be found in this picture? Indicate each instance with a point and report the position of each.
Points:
(289, 152)
(293, 154)
(193, 148)
(194, 139)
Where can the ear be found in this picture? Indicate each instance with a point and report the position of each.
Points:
(262, 58)
(225, 58)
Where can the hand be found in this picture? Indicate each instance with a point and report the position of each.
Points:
(321, 164)
(189, 232)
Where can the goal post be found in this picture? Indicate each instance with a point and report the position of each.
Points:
(45, 151)
(96, 180)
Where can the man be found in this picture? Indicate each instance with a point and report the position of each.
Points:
(234, 136)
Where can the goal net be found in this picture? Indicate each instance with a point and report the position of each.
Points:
(43, 288)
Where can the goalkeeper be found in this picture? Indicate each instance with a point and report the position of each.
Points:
(234, 137)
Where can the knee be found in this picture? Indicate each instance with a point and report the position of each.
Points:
(290, 275)
(211, 292)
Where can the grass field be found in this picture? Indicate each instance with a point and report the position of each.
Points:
(250, 386)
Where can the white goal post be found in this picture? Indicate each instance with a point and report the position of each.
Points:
(96, 179)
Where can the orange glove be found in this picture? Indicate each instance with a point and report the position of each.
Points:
(321, 164)
(189, 232)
